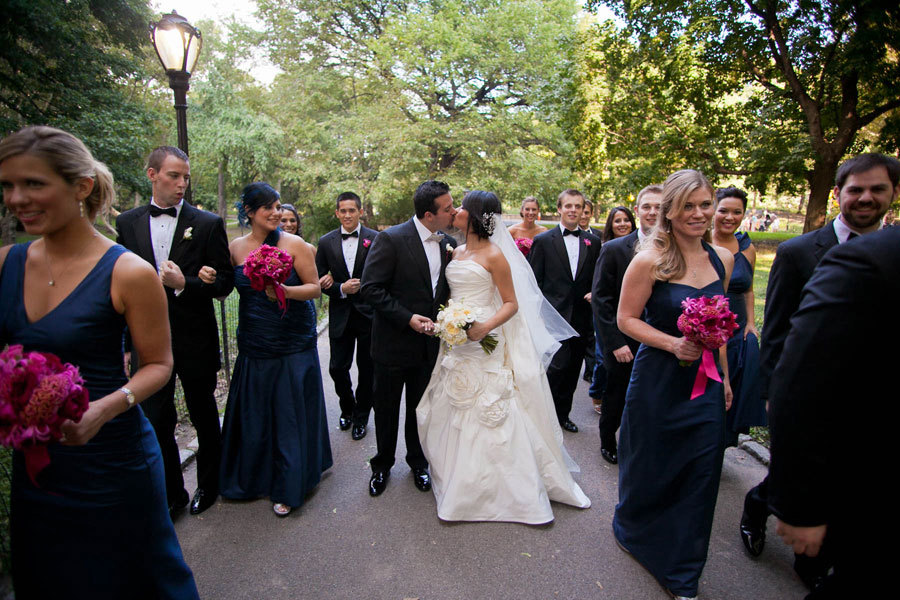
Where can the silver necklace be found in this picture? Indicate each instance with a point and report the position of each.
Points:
(52, 281)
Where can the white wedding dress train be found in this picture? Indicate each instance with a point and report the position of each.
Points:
(487, 423)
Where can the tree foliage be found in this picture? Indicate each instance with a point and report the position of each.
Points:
(829, 68)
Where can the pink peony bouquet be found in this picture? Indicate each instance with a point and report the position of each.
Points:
(524, 245)
(708, 322)
(267, 265)
(38, 393)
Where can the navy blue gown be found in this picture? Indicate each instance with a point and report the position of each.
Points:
(275, 437)
(670, 451)
(98, 526)
(747, 408)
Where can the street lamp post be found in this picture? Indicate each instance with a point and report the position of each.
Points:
(177, 45)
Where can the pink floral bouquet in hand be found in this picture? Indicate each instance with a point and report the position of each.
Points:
(707, 322)
(38, 393)
(524, 245)
(267, 265)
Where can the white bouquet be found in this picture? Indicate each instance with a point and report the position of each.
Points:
(452, 322)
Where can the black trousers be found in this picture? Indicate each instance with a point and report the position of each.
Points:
(617, 377)
(358, 333)
(563, 372)
(199, 394)
(389, 384)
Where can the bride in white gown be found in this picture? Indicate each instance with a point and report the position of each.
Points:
(486, 421)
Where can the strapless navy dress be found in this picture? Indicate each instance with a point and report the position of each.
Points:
(747, 407)
(98, 526)
(275, 436)
(670, 451)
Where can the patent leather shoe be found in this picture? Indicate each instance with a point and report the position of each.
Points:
(753, 534)
(569, 426)
(179, 504)
(359, 432)
(378, 482)
(345, 423)
(609, 456)
(202, 500)
(422, 479)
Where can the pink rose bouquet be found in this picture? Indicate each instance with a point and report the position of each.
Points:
(268, 265)
(524, 245)
(38, 393)
(708, 322)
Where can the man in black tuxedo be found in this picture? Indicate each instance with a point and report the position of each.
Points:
(403, 281)
(586, 217)
(180, 240)
(819, 491)
(340, 259)
(618, 349)
(865, 187)
(563, 260)
(590, 361)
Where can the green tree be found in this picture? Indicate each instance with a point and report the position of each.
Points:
(829, 67)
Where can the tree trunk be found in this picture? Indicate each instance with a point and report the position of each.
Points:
(821, 182)
(223, 164)
(7, 227)
(802, 202)
(755, 198)
(137, 199)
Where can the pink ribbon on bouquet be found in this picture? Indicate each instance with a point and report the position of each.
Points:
(706, 371)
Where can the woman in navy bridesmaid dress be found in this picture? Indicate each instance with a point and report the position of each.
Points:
(97, 524)
(670, 446)
(275, 438)
(747, 408)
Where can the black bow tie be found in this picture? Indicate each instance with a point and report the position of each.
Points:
(575, 232)
(344, 236)
(852, 235)
(155, 211)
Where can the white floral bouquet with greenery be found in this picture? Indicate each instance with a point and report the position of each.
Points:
(454, 319)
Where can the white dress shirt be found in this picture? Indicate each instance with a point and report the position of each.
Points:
(349, 246)
(162, 230)
(571, 242)
(431, 243)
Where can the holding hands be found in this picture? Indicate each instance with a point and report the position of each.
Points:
(422, 324)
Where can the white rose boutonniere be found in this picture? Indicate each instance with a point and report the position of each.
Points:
(188, 233)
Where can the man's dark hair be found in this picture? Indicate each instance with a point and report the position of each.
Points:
(159, 154)
(568, 192)
(482, 206)
(426, 194)
(732, 192)
(348, 196)
(866, 162)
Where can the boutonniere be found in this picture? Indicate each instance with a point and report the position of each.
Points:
(587, 242)
(449, 251)
(188, 233)
(366, 243)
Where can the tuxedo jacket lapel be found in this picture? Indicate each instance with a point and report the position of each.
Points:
(825, 239)
(582, 255)
(417, 251)
(361, 252)
(141, 226)
(185, 220)
(560, 246)
(337, 248)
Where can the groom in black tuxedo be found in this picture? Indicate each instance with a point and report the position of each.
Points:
(865, 186)
(403, 281)
(340, 259)
(563, 260)
(180, 240)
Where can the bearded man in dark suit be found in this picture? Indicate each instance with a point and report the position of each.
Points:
(340, 259)
(404, 283)
(563, 260)
(180, 241)
(865, 186)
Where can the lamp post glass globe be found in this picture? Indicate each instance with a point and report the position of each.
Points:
(177, 43)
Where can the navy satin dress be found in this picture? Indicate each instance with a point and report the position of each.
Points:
(275, 437)
(670, 451)
(747, 408)
(98, 526)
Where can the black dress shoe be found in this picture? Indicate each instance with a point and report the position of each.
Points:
(422, 479)
(610, 456)
(359, 432)
(344, 423)
(202, 500)
(753, 532)
(181, 501)
(378, 482)
(568, 425)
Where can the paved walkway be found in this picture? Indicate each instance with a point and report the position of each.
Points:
(343, 544)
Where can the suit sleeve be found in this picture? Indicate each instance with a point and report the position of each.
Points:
(377, 278)
(536, 260)
(845, 300)
(782, 298)
(603, 300)
(219, 258)
(323, 267)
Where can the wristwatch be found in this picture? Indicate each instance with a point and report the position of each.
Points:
(129, 396)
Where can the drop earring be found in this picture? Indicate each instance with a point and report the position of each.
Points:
(81, 209)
